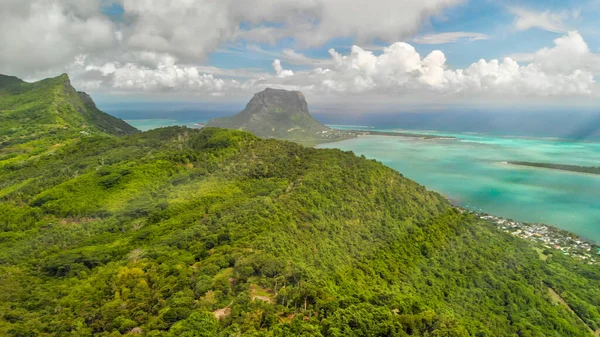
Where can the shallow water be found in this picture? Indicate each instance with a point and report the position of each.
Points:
(472, 171)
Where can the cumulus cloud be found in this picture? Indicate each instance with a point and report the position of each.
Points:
(565, 70)
(39, 34)
(279, 71)
(449, 37)
(400, 70)
(546, 20)
(570, 52)
(159, 45)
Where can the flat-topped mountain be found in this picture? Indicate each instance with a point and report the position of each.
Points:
(281, 114)
(51, 106)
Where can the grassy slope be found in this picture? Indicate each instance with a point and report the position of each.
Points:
(155, 232)
(38, 118)
(51, 107)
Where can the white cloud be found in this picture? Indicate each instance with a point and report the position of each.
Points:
(546, 20)
(279, 71)
(569, 53)
(400, 70)
(522, 57)
(39, 34)
(449, 37)
(192, 28)
(173, 77)
(387, 20)
(565, 70)
(294, 57)
(161, 43)
(166, 76)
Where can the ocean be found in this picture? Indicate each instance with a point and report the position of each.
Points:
(473, 172)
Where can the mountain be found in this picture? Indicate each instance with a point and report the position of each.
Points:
(213, 232)
(51, 106)
(280, 114)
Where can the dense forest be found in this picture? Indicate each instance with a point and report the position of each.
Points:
(213, 232)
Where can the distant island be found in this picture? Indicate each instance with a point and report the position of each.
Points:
(281, 114)
(560, 167)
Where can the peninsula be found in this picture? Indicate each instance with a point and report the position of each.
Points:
(560, 167)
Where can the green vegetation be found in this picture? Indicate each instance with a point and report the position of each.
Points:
(50, 112)
(561, 167)
(160, 231)
(213, 232)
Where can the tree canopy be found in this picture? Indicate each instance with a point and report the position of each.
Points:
(182, 232)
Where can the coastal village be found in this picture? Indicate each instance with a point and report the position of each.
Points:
(548, 237)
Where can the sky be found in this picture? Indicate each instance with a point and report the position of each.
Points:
(417, 54)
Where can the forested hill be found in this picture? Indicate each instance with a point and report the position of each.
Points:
(181, 232)
(51, 107)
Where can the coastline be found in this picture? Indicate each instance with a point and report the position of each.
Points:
(546, 236)
(557, 167)
(543, 235)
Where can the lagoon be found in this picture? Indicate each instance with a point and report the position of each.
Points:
(472, 171)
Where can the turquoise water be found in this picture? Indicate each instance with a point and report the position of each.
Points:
(472, 171)
(149, 124)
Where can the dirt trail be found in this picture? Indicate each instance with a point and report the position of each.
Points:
(564, 303)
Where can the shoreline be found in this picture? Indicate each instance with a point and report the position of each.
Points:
(472, 133)
(548, 236)
(557, 167)
(553, 233)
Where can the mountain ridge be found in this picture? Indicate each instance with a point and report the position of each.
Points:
(55, 106)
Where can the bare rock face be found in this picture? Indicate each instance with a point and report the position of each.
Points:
(281, 114)
(278, 101)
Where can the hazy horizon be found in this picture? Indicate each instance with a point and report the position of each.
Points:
(581, 125)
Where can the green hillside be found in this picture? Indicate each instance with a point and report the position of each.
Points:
(49, 110)
(181, 232)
